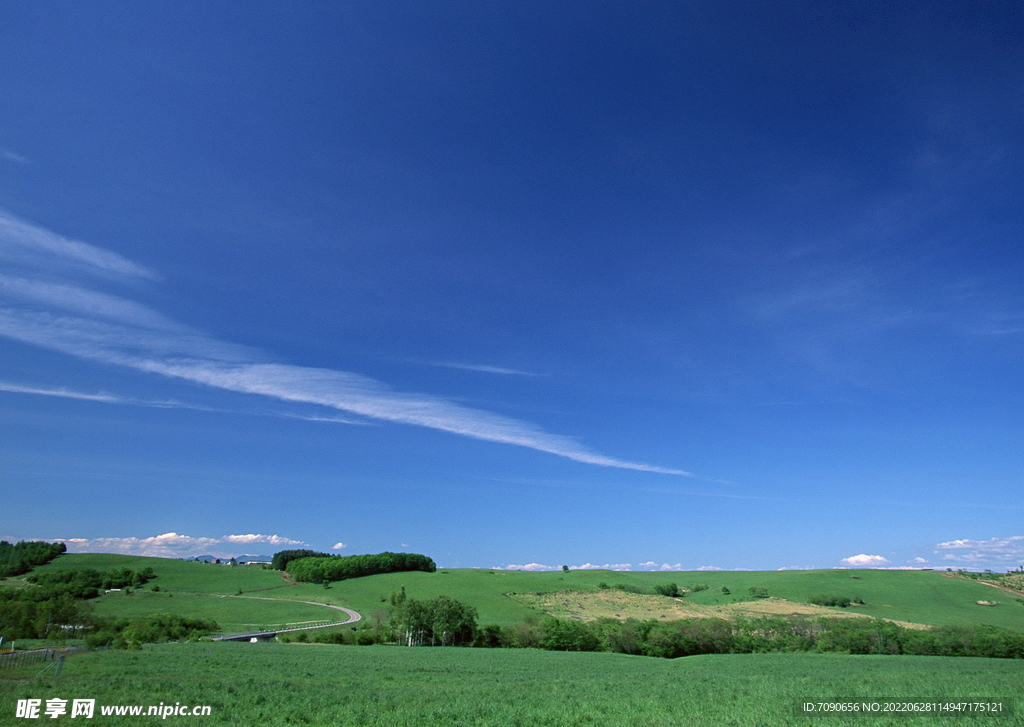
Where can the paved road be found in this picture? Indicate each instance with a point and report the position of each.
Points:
(352, 618)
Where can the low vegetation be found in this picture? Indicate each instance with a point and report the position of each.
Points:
(133, 633)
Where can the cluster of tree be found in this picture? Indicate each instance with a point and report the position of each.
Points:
(833, 600)
(55, 607)
(442, 621)
(282, 558)
(86, 583)
(55, 617)
(319, 569)
(132, 633)
(24, 555)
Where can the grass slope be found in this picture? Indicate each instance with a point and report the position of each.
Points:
(198, 590)
(278, 684)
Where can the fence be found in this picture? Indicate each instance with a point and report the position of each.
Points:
(20, 658)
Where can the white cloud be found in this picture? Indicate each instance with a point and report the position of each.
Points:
(171, 545)
(919, 560)
(89, 324)
(253, 538)
(865, 560)
(338, 546)
(710, 567)
(528, 566)
(979, 552)
(606, 566)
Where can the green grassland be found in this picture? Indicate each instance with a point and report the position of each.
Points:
(232, 613)
(278, 684)
(175, 575)
(924, 597)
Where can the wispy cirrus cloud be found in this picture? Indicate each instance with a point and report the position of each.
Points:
(25, 244)
(173, 545)
(483, 368)
(40, 306)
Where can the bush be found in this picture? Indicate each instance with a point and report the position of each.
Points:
(832, 600)
(669, 589)
(568, 635)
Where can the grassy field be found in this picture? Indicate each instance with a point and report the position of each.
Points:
(922, 597)
(232, 613)
(277, 684)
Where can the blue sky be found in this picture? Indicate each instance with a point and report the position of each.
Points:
(657, 285)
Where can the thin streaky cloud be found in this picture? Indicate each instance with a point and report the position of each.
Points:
(484, 369)
(80, 300)
(29, 244)
(12, 157)
(103, 398)
(361, 395)
(114, 330)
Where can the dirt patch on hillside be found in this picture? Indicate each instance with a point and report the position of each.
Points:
(592, 605)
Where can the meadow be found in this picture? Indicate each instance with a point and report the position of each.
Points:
(921, 597)
(278, 684)
(291, 684)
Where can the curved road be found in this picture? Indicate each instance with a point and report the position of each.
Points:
(352, 618)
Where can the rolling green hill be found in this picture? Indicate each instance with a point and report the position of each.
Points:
(925, 597)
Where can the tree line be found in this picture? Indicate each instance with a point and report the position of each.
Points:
(323, 568)
(25, 555)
